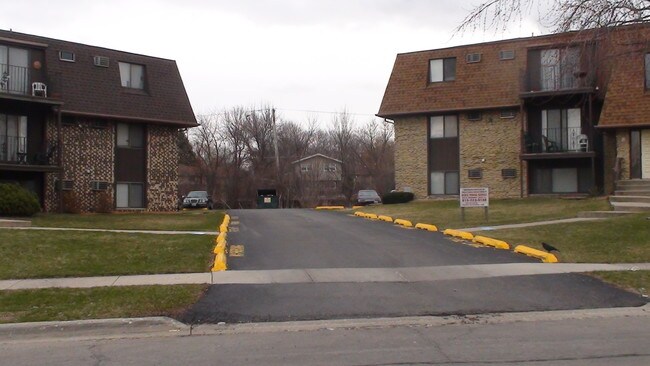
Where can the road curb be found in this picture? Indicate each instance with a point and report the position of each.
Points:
(168, 327)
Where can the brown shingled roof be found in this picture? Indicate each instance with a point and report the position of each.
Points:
(89, 90)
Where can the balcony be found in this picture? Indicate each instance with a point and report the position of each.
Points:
(15, 155)
(557, 143)
(14, 80)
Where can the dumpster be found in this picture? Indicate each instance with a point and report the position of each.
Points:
(267, 198)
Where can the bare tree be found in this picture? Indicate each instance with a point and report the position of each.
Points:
(210, 149)
(342, 137)
(562, 15)
(376, 156)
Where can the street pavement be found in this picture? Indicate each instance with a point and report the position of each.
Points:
(565, 338)
(334, 242)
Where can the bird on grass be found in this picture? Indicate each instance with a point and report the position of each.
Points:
(549, 248)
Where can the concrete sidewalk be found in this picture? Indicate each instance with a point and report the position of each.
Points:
(157, 232)
(326, 275)
(529, 224)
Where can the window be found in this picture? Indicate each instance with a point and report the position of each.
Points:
(129, 195)
(132, 75)
(444, 183)
(14, 70)
(442, 69)
(130, 136)
(96, 185)
(305, 168)
(506, 54)
(647, 71)
(329, 168)
(443, 126)
(66, 56)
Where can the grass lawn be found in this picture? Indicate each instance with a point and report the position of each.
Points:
(616, 240)
(41, 254)
(191, 220)
(446, 213)
(101, 302)
(638, 281)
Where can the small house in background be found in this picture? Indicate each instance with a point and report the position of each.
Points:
(86, 127)
(317, 180)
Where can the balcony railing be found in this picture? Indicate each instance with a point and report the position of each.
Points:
(13, 150)
(553, 140)
(556, 79)
(14, 79)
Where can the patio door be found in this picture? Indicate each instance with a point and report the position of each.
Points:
(562, 127)
(635, 154)
(14, 66)
(13, 138)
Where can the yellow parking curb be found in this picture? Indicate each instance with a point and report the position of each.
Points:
(371, 216)
(499, 244)
(531, 252)
(385, 218)
(220, 263)
(459, 234)
(403, 222)
(360, 214)
(428, 227)
(330, 207)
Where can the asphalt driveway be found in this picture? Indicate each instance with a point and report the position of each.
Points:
(303, 239)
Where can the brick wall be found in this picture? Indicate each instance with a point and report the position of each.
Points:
(162, 168)
(411, 167)
(491, 144)
(88, 156)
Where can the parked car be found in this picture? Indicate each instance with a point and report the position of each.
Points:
(197, 199)
(368, 196)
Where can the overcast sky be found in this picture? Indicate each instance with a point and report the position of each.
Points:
(298, 55)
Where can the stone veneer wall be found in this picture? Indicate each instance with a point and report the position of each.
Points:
(411, 151)
(162, 168)
(88, 156)
(623, 151)
(491, 144)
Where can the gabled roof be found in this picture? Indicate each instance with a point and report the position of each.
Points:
(314, 156)
(89, 90)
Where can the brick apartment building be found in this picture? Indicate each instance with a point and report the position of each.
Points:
(87, 121)
(557, 114)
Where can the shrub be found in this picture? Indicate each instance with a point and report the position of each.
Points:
(17, 201)
(397, 197)
(71, 204)
(103, 202)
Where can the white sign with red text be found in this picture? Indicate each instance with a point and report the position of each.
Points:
(474, 197)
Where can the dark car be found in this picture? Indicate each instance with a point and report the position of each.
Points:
(368, 196)
(197, 199)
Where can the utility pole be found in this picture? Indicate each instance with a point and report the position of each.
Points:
(275, 147)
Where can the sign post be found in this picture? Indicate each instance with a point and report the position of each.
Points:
(474, 197)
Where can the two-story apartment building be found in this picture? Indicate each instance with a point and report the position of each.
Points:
(80, 121)
(551, 114)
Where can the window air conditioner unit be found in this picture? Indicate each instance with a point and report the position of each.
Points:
(101, 61)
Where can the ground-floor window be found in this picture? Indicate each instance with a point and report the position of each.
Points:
(129, 195)
(444, 182)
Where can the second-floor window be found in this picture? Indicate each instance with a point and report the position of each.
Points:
(132, 75)
(130, 136)
(443, 126)
(442, 69)
(14, 70)
(647, 71)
